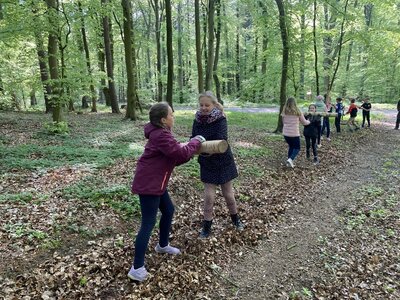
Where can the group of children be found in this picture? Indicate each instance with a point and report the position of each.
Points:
(161, 154)
(315, 122)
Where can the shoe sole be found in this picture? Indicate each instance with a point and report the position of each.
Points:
(136, 279)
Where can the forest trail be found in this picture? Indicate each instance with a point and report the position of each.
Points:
(289, 262)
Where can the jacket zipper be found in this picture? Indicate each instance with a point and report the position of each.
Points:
(163, 182)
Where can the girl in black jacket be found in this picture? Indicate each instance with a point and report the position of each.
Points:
(311, 133)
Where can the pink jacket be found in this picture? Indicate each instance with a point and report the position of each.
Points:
(161, 154)
(291, 124)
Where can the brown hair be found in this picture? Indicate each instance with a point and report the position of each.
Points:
(157, 112)
(290, 107)
(214, 100)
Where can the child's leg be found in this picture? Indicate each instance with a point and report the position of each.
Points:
(308, 145)
(289, 142)
(149, 206)
(319, 135)
(209, 198)
(227, 192)
(328, 128)
(314, 146)
(167, 212)
(337, 123)
(368, 119)
(363, 120)
(295, 146)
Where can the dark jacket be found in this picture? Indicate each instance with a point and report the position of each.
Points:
(216, 168)
(161, 154)
(311, 130)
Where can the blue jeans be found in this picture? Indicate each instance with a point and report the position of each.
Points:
(294, 146)
(326, 124)
(149, 205)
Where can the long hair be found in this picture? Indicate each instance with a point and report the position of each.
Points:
(290, 107)
(214, 100)
(157, 112)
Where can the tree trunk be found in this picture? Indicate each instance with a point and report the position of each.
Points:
(302, 55)
(32, 96)
(170, 57)
(156, 9)
(129, 60)
(315, 47)
(210, 51)
(339, 45)
(368, 8)
(237, 76)
(109, 63)
(285, 60)
(217, 47)
(53, 61)
(87, 56)
(101, 61)
(200, 83)
(180, 60)
(42, 58)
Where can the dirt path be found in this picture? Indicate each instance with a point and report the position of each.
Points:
(286, 262)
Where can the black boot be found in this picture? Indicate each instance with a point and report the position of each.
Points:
(206, 230)
(236, 222)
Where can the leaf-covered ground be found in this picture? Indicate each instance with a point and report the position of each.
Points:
(68, 220)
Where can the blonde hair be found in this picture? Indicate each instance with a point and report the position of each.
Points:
(290, 107)
(214, 100)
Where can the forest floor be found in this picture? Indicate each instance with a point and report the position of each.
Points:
(68, 221)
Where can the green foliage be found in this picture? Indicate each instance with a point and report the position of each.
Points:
(24, 197)
(57, 128)
(117, 197)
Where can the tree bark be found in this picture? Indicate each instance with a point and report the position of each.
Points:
(285, 60)
(129, 60)
(87, 56)
(217, 48)
(315, 47)
(170, 57)
(53, 60)
(156, 9)
(237, 76)
(210, 51)
(302, 55)
(200, 83)
(109, 62)
(180, 54)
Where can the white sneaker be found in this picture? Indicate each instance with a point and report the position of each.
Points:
(328, 139)
(167, 249)
(139, 274)
(289, 163)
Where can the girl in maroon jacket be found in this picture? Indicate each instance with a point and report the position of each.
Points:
(161, 154)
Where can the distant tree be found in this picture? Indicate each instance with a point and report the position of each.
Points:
(285, 60)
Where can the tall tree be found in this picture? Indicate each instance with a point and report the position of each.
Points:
(170, 57)
(285, 60)
(199, 61)
(158, 17)
(53, 59)
(315, 47)
(109, 62)
(210, 50)
(180, 54)
(87, 57)
(217, 47)
(368, 9)
(129, 61)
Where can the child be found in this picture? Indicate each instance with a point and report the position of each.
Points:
(339, 108)
(366, 107)
(325, 122)
(320, 108)
(311, 133)
(353, 114)
(216, 169)
(161, 154)
(291, 116)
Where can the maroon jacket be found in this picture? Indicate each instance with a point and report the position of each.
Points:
(161, 154)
